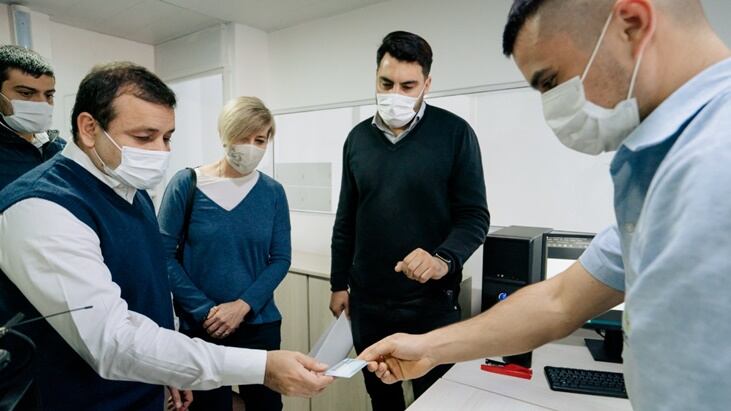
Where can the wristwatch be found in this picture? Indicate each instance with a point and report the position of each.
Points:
(446, 261)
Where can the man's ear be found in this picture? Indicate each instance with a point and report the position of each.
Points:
(87, 127)
(639, 20)
(6, 108)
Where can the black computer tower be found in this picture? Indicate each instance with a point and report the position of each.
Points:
(512, 259)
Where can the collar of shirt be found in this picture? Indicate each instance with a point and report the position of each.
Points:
(73, 152)
(670, 116)
(40, 139)
(381, 125)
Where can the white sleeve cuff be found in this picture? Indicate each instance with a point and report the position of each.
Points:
(243, 366)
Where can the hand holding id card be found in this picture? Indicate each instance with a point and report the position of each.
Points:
(333, 348)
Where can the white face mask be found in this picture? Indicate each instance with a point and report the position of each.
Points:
(397, 109)
(29, 116)
(139, 168)
(244, 158)
(584, 126)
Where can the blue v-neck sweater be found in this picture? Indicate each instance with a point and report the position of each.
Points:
(243, 253)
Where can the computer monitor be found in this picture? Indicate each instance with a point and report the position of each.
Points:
(560, 250)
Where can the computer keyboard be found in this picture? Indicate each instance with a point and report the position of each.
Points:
(609, 384)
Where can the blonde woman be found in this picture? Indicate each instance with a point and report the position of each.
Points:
(236, 247)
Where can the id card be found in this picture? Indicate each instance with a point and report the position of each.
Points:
(346, 368)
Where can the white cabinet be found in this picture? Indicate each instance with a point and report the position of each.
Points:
(292, 300)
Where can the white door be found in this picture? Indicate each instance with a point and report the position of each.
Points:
(195, 141)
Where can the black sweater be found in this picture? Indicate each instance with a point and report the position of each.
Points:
(426, 191)
(17, 156)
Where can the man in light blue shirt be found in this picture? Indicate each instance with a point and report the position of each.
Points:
(651, 80)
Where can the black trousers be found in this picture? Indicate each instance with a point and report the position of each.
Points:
(374, 319)
(256, 397)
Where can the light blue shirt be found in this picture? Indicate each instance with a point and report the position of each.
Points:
(670, 250)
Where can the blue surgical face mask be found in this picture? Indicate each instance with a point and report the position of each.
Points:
(587, 127)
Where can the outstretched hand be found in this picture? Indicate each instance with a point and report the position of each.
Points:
(399, 357)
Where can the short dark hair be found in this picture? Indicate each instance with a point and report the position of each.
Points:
(106, 82)
(521, 11)
(408, 47)
(23, 59)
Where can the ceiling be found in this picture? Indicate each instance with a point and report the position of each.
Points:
(157, 21)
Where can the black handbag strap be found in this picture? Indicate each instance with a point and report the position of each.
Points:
(186, 217)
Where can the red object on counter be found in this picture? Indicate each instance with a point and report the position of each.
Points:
(512, 370)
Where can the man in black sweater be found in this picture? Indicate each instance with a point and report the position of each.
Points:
(27, 86)
(412, 209)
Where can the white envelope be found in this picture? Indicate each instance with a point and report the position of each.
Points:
(335, 343)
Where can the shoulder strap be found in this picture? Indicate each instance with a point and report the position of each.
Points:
(186, 217)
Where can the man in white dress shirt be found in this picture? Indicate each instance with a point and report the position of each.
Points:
(80, 230)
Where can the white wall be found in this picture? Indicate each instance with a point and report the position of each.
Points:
(719, 13)
(41, 28)
(196, 140)
(4, 25)
(241, 53)
(191, 55)
(250, 74)
(40, 31)
(333, 60)
(75, 51)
